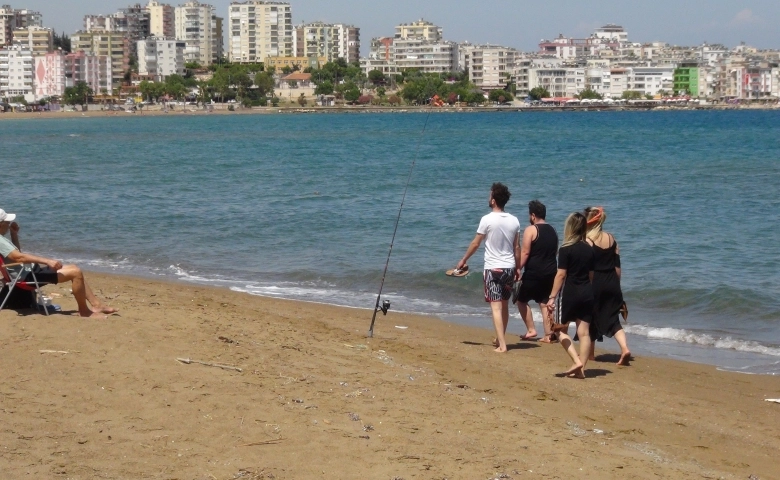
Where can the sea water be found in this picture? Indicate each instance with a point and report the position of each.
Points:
(304, 207)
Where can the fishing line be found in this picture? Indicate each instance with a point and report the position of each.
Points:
(386, 304)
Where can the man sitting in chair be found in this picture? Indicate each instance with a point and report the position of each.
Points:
(49, 270)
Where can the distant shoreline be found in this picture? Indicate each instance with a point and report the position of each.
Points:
(374, 109)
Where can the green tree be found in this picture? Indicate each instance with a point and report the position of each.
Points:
(264, 83)
(192, 66)
(78, 94)
(394, 100)
(286, 70)
(632, 95)
(324, 88)
(302, 100)
(62, 41)
(351, 92)
(649, 97)
(377, 77)
(381, 92)
(539, 93)
(590, 94)
(500, 96)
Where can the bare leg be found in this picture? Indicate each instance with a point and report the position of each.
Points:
(500, 311)
(528, 319)
(625, 353)
(583, 331)
(547, 323)
(82, 292)
(576, 368)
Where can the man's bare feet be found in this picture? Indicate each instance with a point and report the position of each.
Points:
(91, 314)
(625, 359)
(577, 373)
(106, 310)
(500, 350)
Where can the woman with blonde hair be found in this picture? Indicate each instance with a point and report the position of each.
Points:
(575, 272)
(607, 295)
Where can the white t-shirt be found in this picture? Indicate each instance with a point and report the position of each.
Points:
(500, 230)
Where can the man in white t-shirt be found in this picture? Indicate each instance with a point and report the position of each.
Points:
(501, 233)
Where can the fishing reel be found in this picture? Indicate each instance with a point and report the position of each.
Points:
(384, 308)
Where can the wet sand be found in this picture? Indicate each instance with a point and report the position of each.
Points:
(315, 398)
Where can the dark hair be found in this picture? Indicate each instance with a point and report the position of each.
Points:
(535, 207)
(500, 194)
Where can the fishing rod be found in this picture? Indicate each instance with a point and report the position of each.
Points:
(386, 304)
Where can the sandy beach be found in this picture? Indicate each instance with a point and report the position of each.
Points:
(315, 398)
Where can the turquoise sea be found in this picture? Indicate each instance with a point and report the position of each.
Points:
(303, 207)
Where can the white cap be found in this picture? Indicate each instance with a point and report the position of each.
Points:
(7, 217)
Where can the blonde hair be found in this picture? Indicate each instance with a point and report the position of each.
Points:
(574, 229)
(596, 216)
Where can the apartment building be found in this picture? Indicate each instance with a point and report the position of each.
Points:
(274, 64)
(161, 19)
(198, 25)
(160, 57)
(419, 29)
(490, 67)
(259, 29)
(331, 41)
(13, 19)
(38, 39)
(49, 73)
(16, 72)
(94, 70)
(114, 45)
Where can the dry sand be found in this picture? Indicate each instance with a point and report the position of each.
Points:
(317, 399)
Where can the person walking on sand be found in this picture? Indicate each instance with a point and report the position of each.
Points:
(538, 250)
(607, 295)
(53, 272)
(575, 273)
(501, 232)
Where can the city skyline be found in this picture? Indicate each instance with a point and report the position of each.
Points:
(503, 22)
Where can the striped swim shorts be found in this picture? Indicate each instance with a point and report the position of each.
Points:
(498, 284)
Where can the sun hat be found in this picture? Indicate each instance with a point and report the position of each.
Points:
(7, 217)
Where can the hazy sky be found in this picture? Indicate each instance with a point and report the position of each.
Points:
(514, 23)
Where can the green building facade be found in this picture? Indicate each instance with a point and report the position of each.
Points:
(686, 81)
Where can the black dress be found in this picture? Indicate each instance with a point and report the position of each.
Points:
(577, 300)
(607, 295)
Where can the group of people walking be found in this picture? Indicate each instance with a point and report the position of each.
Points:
(584, 272)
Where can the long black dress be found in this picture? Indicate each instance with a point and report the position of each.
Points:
(607, 295)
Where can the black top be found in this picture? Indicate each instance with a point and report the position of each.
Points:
(578, 261)
(541, 260)
(606, 259)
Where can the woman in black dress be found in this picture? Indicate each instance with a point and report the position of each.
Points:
(575, 272)
(607, 295)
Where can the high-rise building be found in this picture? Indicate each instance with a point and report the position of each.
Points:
(16, 72)
(160, 57)
(161, 19)
(114, 45)
(419, 29)
(28, 18)
(49, 74)
(94, 70)
(490, 67)
(38, 39)
(198, 25)
(319, 39)
(259, 29)
(11, 20)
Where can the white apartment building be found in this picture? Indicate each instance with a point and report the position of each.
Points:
(490, 67)
(651, 80)
(331, 41)
(16, 73)
(198, 25)
(38, 39)
(258, 29)
(560, 81)
(161, 19)
(110, 44)
(49, 74)
(419, 29)
(612, 32)
(94, 70)
(426, 56)
(11, 19)
(160, 57)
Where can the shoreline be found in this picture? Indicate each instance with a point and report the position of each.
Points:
(428, 401)
(222, 110)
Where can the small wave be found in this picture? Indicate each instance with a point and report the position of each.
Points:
(703, 339)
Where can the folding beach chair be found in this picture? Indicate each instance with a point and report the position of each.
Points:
(14, 275)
